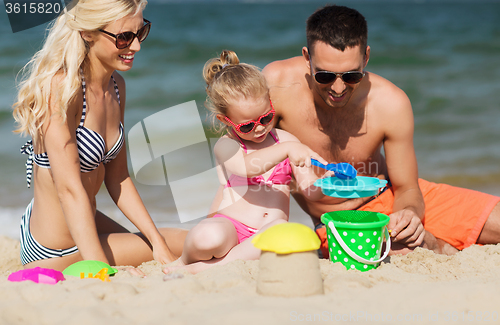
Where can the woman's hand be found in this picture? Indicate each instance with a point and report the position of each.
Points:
(161, 252)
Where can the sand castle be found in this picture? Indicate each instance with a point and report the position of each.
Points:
(289, 264)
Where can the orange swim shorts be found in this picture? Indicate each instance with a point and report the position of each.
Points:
(453, 214)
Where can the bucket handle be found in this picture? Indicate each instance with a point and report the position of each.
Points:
(354, 255)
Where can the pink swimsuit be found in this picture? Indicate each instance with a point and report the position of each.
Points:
(282, 174)
(243, 231)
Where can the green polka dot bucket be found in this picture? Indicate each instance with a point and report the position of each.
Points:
(355, 238)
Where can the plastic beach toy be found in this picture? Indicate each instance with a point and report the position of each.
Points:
(101, 275)
(355, 238)
(286, 238)
(37, 275)
(341, 170)
(87, 267)
(361, 186)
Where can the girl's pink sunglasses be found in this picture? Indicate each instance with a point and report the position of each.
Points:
(248, 127)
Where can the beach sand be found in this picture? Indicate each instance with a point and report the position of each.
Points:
(419, 288)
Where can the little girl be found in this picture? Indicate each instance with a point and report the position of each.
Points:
(255, 163)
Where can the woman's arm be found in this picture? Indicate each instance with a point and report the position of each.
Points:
(60, 144)
(125, 195)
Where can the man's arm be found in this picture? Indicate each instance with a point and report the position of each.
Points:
(402, 168)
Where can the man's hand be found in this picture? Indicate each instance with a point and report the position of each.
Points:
(406, 228)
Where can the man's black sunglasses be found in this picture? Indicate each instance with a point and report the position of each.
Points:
(349, 77)
(123, 40)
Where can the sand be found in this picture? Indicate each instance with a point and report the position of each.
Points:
(289, 275)
(419, 288)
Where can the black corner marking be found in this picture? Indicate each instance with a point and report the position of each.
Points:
(26, 14)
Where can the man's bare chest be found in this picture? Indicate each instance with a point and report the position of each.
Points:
(339, 141)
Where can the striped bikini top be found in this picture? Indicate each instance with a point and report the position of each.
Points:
(91, 145)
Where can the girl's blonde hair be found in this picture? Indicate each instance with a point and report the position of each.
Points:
(229, 80)
(64, 52)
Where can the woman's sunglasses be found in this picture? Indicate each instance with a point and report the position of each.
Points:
(349, 77)
(248, 127)
(123, 40)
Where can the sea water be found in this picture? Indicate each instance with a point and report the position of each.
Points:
(444, 54)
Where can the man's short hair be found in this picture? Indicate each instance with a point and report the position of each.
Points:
(340, 27)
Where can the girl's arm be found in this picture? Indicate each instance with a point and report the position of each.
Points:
(229, 153)
(60, 144)
(305, 176)
(124, 193)
(214, 208)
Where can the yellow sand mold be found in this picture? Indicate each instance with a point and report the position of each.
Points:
(287, 238)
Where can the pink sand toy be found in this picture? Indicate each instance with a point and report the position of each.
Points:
(37, 275)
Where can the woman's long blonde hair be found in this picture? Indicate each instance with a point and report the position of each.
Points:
(229, 80)
(64, 51)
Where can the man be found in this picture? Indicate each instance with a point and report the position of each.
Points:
(346, 114)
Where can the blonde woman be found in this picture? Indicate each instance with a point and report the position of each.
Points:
(72, 103)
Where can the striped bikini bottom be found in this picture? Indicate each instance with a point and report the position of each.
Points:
(31, 250)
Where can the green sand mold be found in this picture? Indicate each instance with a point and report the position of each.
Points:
(87, 267)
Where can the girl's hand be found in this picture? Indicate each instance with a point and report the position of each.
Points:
(131, 270)
(328, 173)
(300, 155)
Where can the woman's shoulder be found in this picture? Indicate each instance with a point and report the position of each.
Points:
(58, 79)
(120, 81)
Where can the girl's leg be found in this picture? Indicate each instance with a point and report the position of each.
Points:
(243, 251)
(212, 237)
